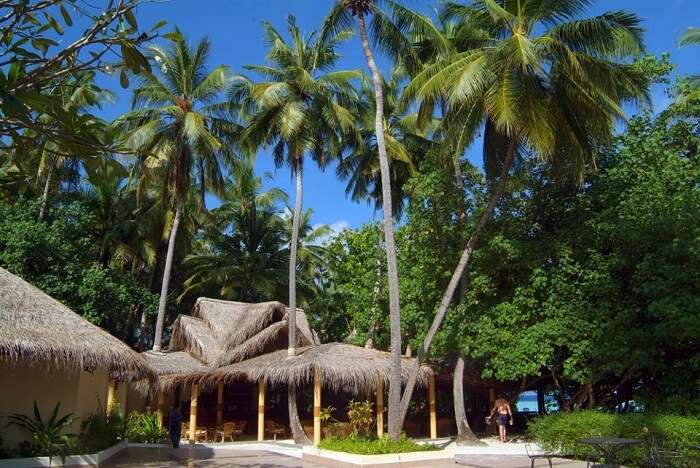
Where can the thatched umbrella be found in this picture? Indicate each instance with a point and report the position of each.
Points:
(37, 329)
(343, 367)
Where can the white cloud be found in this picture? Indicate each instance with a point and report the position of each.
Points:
(335, 228)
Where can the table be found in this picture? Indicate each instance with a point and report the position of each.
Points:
(609, 446)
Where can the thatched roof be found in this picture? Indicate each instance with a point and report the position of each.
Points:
(224, 332)
(343, 367)
(37, 329)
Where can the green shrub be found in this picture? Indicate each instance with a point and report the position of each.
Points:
(144, 428)
(361, 418)
(562, 431)
(369, 446)
(48, 437)
(99, 431)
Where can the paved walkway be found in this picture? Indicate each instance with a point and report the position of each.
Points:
(512, 461)
(197, 457)
(286, 454)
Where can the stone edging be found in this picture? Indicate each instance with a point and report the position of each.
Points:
(349, 460)
(92, 459)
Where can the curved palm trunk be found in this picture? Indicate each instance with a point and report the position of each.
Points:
(457, 275)
(166, 278)
(464, 432)
(298, 433)
(292, 316)
(47, 187)
(394, 416)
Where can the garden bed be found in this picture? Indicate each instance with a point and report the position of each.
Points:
(351, 452)
(92, 459)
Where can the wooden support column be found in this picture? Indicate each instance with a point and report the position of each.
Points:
(261, 409)
(161, 408)
(219, 404)
(432, 407)
(380, 408)
(317, 407)
(492, 396)
(111, 395)
(193, 413)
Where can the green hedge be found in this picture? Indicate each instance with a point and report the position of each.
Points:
(367, 446)
(562, 431)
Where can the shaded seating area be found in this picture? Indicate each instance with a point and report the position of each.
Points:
(229, 362)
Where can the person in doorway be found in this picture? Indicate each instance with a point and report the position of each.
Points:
(504, 416)
(174, 427)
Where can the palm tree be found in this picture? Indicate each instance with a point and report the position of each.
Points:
(692, 37)
(78, 94)
(310, 251)
(405, 144)
(244, 251)
(180, 123)
(389, 36)
(541, 80)
(301, 109)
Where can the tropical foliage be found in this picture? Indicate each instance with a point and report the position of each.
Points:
(566, 261)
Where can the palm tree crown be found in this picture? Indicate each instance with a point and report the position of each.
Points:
(181, 125)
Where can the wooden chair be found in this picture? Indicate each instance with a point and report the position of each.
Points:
(184, 430)
(275, 429)
(227, 432)
(239, 426)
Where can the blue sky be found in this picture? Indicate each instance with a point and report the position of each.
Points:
(235, 29)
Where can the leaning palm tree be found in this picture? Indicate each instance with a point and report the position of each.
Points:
(542, 81)
(387, 34)
(300, 109)
(180, 124)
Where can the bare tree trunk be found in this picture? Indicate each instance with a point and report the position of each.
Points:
(292, 316)
(47, 187)
(158, 337)
(298, 433)
(465, 435)
(457, 275)
(394, 417)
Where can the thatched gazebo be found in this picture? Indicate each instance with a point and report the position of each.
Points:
(50, 354)
(336, 366)
(223, 342)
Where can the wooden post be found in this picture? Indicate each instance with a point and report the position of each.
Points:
(317, 406)
(380, 408)
(261, 409)
(219, 404)
(161, 408)
(431, 405)
(193, 413)
(111, 395)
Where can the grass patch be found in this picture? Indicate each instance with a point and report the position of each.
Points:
(374, 446)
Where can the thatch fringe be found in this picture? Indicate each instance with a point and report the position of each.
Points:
(343, 367)
(38, 330)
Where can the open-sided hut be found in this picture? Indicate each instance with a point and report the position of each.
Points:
(50, 354)
(226, 343)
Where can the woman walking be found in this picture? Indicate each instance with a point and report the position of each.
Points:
(501, 409)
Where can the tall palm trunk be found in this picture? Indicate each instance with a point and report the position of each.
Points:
(292, 316)
(47, 187)
(464, 432)
(298, 433)
(166, 278)
(394, 416)
(457, 274)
